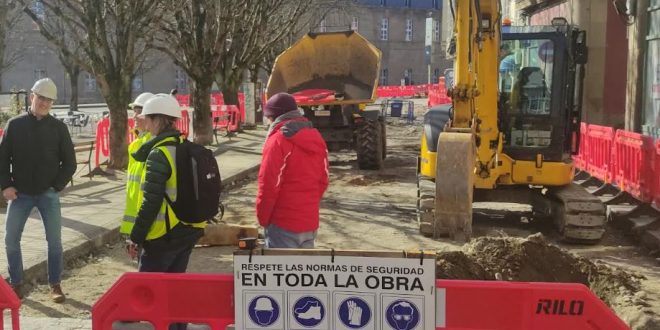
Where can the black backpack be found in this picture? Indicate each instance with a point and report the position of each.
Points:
(198, 184)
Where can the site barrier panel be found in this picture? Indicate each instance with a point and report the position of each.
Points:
(599, 154)
(9, 300)
(162, 299)
(656, 174)
(102, 140)
(183, 123)
(633, 172)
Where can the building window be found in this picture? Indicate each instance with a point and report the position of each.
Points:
(436, 4)
(407, 77)
(408, 3)
(409, 29)
(90, 82)
(384, 26)
(355, 23)
(322, 26)
(181, 80)
(40, 74)
(436, 76)
(384, 77)
(137, 83)
(436, 30)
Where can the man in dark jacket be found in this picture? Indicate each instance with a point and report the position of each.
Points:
(37, 160)
(292, 178)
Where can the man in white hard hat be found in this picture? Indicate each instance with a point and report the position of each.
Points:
(37, 160)
(135, 169)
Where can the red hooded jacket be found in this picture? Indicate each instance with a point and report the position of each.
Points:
(293, 176)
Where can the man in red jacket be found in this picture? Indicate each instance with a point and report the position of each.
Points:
(293, 176)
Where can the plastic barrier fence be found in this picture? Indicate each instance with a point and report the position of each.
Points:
(633, 171)
(162, 299)
(599, 153)
(656, 176)
(102, 141)
(216, 100)
(226, 117)
(9, 300)
(183, 124)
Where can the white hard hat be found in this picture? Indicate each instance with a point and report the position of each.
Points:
(263, 304)
(46, 88)
(164, 104)
(141, 99)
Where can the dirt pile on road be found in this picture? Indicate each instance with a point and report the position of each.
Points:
(532, 259)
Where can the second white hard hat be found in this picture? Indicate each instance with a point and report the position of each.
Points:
(141, 99)
(46, 88)
(163, 104)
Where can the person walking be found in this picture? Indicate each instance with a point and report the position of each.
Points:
(37, 160)
(135, 168)
(292, 178)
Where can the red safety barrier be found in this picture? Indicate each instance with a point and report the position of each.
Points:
(509, 305)
(580, 160)
(102, 140)
(130, 135)
(183, 123)
(9, 300)
(599, 156)
(633, 172)
(656, 175)
(162, 299)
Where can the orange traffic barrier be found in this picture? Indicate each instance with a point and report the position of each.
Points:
(599, 155)
(162, 299)
(9, 300)
(633, 171)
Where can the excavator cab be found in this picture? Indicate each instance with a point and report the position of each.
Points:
(540, 79)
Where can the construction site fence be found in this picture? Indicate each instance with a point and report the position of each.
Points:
(216, 100)
(102, 145)
(162, 299)
(628, 160)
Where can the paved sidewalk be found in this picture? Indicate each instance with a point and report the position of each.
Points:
(92, 211)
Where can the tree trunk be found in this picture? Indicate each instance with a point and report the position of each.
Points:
(74, 74)
(117, 93)
(201, 102)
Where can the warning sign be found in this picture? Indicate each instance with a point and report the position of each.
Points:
(334, 292)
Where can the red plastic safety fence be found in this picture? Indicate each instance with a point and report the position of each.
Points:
(102, 140)
(130, 135)
(162, 299)
(509, 305)
(633, 154)
(580, 160)
(600, 140)
(656, 175)
(183, 123)
(9, 300)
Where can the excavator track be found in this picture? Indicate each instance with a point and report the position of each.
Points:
(578, 215)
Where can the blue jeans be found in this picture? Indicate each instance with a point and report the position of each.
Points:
(18, 211)
(276, 237)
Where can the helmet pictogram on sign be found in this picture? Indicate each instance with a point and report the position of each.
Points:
(264, 310)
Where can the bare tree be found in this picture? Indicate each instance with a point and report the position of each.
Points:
(9, 19)
(114, 36)
(195, 37)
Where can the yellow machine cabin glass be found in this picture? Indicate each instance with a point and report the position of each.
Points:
(525, 87)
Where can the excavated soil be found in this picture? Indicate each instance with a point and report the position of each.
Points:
(533, 259)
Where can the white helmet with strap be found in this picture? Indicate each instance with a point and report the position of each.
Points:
(141, 99)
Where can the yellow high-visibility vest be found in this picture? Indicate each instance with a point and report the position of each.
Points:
(133, 184)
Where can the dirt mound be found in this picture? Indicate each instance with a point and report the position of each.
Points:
(532, 259)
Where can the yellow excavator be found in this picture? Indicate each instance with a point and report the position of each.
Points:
(511, 129)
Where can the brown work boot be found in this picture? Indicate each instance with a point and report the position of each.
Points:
(56, 293)
(17, 290)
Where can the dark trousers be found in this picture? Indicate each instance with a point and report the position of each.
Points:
(170, 254)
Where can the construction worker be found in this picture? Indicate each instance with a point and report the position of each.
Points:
(37, 160)
(135, 168)
(166, 242)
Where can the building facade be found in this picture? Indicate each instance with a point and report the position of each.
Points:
(397, 27)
